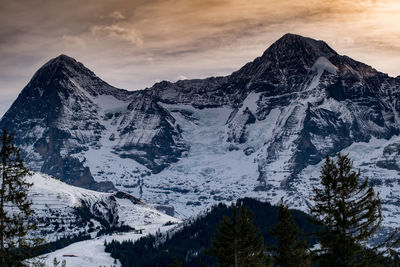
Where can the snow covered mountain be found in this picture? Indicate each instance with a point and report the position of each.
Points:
(260, 132)
(66, 112)
(63, 210)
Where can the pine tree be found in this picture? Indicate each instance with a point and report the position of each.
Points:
(291, 250)
(350, 212)
(15, 209)
(237, 242)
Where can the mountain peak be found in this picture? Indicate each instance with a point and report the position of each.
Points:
(64, 73)
(300, 46)
(62, 59)
(58, 69)
(66, 64)
(293, 36)
(292, 54)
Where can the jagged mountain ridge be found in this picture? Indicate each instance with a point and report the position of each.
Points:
(292, 70)
(63, 111)
(261, 131)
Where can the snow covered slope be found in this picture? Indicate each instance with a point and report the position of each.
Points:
(261, 131)
(66, 111)
(55, 204)
(93, 254)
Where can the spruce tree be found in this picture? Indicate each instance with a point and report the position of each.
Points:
(16, 215)
(291, 250)
(349, 210)
(237, 242)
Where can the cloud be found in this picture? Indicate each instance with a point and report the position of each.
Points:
(119, 32)
(143, 40)
(117, 15)
(74, 40)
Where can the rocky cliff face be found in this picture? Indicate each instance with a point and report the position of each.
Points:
(66, 110)
(325, 102)
(147, 133)
(260, 132)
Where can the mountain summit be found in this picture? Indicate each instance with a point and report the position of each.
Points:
(262, 131)
(66, 109)
(65, 74)
(297, 46)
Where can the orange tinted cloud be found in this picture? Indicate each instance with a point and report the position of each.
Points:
(132, 44)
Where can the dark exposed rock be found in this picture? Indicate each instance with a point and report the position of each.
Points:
(123, 195)
(169, 210)
(237, 126)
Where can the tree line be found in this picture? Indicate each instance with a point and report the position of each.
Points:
(345, 215)
(348, 211)
(190, 245)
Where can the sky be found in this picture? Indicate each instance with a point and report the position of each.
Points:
(132, 44)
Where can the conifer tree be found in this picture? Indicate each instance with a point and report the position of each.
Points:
(350, 212)
(237, 242)
(291, 250)
(15, 208)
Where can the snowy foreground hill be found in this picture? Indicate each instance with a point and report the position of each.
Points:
(262, 131)
(55, 204)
